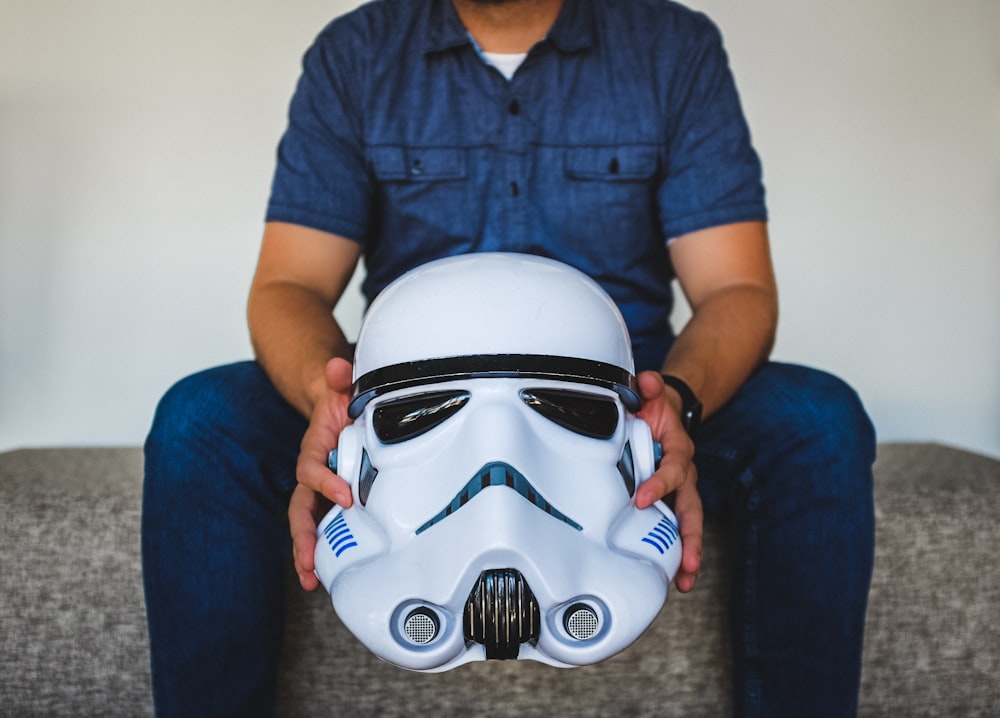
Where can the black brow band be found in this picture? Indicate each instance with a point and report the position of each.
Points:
(518, 366)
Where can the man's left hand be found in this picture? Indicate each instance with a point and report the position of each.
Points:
(676, 474)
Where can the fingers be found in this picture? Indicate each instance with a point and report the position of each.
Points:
(328, 420)
(318, 485)
(675, 479)
(302, 511)
(690, 516)
(338, 375)
(673, 473)
(676, 475)
(657, 411)
(650, 385)
(314, 473)
(317, 490)
(676, 468)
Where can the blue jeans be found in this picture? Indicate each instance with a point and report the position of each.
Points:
(787, 462)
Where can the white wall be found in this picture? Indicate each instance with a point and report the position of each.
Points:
(137, 143)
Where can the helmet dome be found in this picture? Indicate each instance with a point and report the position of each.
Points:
(492, 314)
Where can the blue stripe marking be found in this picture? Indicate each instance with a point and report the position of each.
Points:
(663, 535)
(669, 536)
(653, 544)
(343, 532)
(338, 535)
(335, 524)
(340, 540)
(498, 474)
(343, 548)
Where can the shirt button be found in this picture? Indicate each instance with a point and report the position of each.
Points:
(514, 107)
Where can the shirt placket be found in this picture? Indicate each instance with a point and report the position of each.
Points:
(515, 188)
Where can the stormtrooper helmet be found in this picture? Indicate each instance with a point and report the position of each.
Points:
(493, 462)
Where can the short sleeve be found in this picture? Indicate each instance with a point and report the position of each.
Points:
(713, 174)
(321, 180)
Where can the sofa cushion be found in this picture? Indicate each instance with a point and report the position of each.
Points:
(72, 615)
(932, 644)
(73, 632)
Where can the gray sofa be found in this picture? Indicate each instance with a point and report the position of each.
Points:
(73, 636)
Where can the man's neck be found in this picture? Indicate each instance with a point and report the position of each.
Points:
(508, 26)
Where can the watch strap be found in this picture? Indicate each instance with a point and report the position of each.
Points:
(690, 406)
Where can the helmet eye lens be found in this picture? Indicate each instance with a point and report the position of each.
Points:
(591, 415)
(407, 418)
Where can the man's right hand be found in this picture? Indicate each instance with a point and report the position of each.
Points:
(319, 487)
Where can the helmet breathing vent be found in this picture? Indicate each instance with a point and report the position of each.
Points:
(581, 621)
(421, 626)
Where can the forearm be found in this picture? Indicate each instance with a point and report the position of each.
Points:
(301, 275)
(730, 334)
(294, 335)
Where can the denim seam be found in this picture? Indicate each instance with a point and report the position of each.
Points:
(751, 651)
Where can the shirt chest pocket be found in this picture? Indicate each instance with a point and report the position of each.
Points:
(627, 163)
(608, 202)
(417, 164)
(423, 206)
(608, 191)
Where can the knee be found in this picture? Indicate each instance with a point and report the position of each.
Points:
(821, 450)
(186, 413)
(822, 413)
(203, 414)
(227, 422)
(816, 445)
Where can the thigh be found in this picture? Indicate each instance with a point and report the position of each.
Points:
(788, 424)
(220, 468)
(788, 463)
(225, 415)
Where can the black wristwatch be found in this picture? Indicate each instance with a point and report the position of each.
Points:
(690, 406)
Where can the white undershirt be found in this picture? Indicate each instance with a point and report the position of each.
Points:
(506, 62)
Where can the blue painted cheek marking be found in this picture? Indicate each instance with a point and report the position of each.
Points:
(662, 536)
(338, 535)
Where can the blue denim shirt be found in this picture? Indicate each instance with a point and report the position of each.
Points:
(621, 130)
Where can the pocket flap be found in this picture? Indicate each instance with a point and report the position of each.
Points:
(611, 163)
(418, 163)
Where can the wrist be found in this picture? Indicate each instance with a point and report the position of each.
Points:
(684, 400)
(316, 389)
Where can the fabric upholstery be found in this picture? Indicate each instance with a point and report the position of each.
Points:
(73, 638)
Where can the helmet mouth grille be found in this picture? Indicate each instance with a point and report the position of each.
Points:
(501, 613)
